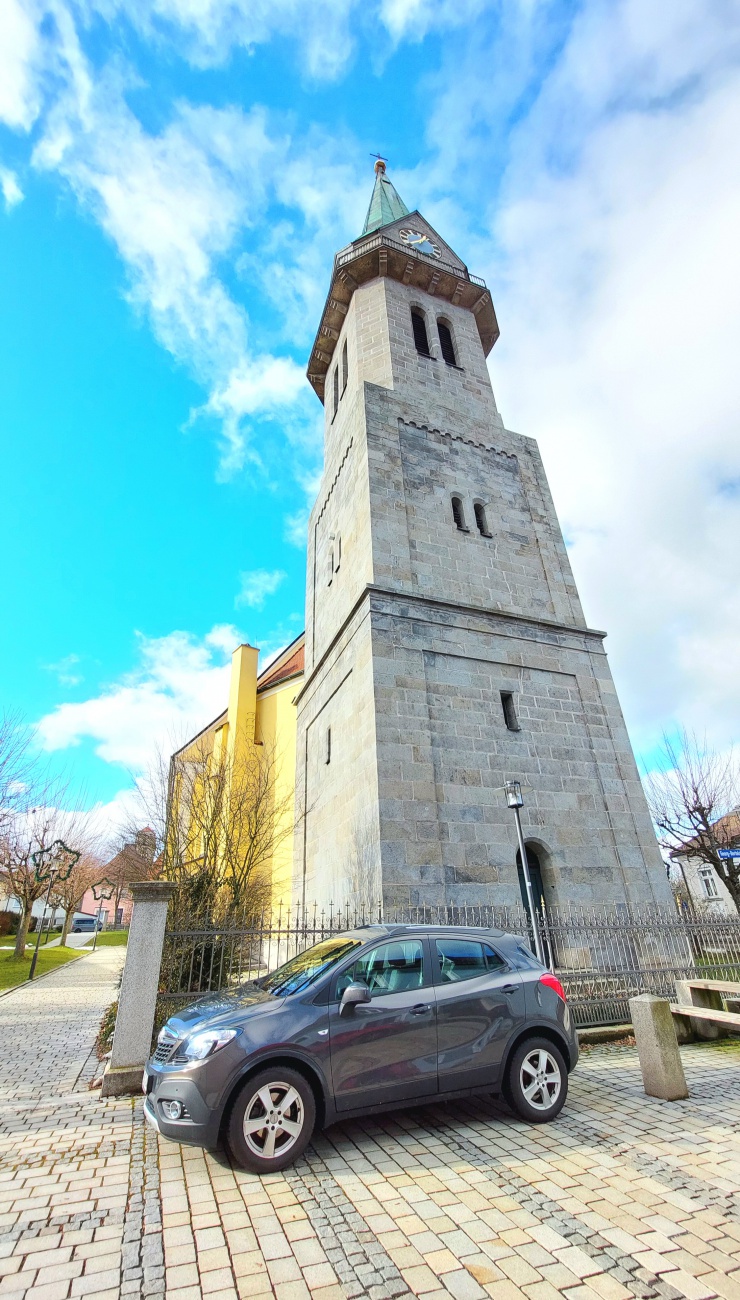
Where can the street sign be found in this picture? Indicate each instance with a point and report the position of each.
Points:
(728, 853)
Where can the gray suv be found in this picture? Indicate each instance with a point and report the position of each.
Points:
(366, 1021)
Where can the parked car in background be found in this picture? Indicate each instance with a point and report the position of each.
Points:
(81, 924)
(363, 1022)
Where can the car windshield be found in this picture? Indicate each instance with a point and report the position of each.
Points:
(302, 970)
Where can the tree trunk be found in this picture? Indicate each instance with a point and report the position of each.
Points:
(22, 935)
(733, 889)
(65, 928)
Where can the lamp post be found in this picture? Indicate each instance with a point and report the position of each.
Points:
(103, 890)
(52, 864)
(514, 800)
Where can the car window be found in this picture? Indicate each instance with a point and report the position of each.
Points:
(466, 959)
(389, 968)
(303, 970)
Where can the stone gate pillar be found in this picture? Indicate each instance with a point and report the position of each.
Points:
(137, 1000)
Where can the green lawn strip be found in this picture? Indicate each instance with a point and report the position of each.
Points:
(112, 938)
(14, 971)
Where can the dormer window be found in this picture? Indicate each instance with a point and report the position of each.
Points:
(446, 344)
(419, 327)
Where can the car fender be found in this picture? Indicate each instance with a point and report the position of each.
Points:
(285, 1053)
(534, 1029)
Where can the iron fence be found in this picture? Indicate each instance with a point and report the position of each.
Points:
(602, 956)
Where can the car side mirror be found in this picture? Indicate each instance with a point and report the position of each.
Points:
(353, 995)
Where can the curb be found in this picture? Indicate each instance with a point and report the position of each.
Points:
(37, 978)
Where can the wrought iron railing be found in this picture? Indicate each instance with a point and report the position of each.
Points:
(602, 956)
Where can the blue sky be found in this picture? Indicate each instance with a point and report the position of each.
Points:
(176, 179)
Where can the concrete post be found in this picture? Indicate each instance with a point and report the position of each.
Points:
(138, 997)
(657, 1048)
(687, 996)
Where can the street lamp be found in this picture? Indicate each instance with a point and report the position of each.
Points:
(103, 890)
(514, 800)
(52, 864)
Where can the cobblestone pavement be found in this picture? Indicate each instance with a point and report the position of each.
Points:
(624, 1196)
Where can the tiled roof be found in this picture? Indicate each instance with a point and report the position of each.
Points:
(386, 204)
(288, 664)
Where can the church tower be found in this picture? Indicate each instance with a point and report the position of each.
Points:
(446, 648)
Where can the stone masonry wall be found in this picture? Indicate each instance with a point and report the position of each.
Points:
(414, 628)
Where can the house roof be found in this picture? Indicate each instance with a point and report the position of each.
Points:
(726, 830)
(386, 204)
(289, 663)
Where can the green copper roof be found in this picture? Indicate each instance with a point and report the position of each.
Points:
(386, 205)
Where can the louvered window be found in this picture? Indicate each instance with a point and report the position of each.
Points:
(457, 514)
(446, 344)
(480, 519)
(336, 389)
(345, 367)
(420, 333)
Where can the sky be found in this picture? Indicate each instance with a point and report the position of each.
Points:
(175, 177)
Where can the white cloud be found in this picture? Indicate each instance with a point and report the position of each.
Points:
(180, 684)
(66, 670)
(12, 192)
(20, 63)
(257, 585)
(618, 289)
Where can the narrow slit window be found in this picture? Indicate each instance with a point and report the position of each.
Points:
(345, 368)
(336, 389)
(330, 567)
(420, 334)
(458, 514)
(328, 744)
(509, 708)
(446, 344)
(480, 519)
(337, 552)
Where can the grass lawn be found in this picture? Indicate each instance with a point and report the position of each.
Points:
(112, 938)
(14, 972)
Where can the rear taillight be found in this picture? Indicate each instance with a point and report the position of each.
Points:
(553, 983)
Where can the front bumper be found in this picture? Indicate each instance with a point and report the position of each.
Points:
(201, 1121)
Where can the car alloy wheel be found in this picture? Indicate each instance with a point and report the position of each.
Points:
(536, 1081)
(540, 1079)
(272, 1120)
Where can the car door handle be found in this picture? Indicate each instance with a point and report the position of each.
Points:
(420, 1008)
(509, 988)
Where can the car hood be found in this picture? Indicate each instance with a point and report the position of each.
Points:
(223, 1008)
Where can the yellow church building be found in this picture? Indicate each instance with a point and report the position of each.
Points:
(260, 716)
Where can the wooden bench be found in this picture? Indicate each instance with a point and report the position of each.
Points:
(700, 1010)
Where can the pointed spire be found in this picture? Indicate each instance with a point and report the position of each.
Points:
(386, 204)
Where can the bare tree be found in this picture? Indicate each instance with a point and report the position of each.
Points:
(694, 796)
(68, 894)
(28, 832)
(220, 816)
(16, 765)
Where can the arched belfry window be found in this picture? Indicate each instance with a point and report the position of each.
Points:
(336, 389)
(480, 519)
(458, 514)
(446, 344)
(345, 367)
(420, 333)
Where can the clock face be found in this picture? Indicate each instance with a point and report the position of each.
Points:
(422, 243)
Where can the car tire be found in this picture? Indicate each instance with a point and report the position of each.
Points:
(285, 1100)
(536, 1082)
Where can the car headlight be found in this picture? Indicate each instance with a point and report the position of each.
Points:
(205, 1044)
